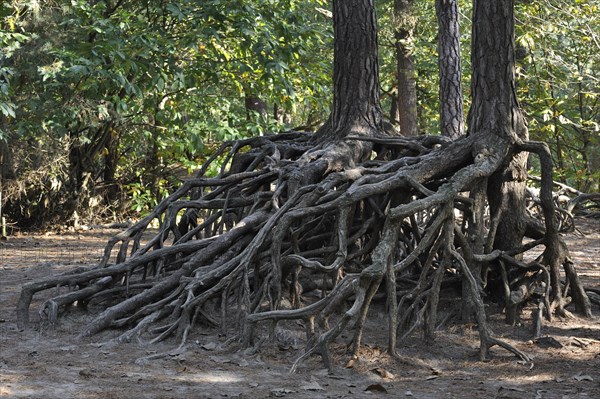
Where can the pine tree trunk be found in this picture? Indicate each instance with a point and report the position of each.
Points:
(495, 113)
(356, 107)
(451, 98)
(407, 86)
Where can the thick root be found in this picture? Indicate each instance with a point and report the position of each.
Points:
(283, 219)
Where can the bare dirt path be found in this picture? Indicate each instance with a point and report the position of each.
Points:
(45, 362)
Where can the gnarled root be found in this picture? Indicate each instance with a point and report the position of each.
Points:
(283, 219)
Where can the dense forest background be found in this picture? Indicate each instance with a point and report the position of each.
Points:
(106, 105)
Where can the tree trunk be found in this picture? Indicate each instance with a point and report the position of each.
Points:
(356, 106)
(495, 113)
(495, 117)
(6, 163)
(451, 98)
(356, 109)
(407, 87)
(111, 160)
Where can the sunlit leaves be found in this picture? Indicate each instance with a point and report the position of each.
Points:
(559, 82)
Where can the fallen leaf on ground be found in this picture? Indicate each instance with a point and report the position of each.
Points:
(376, 388)
(352, 362)
(383, 373)
(581, 377)
(312, 386)
(211, 346)
(220, 359)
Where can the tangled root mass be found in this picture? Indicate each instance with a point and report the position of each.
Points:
(285, 218)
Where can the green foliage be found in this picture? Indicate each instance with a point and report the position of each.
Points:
(146, 85)
(559, 73)
(10, 41)
(425, 55)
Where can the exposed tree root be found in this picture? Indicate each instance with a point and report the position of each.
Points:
(284, 217)
(567, 203)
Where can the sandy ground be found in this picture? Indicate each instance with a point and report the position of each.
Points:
(44, 362)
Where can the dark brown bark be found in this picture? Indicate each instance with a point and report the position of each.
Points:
(451, 99)
(356, 107)
(497, 120)
(405, 74)
(495, 113)
(111, 160)
(6, 163)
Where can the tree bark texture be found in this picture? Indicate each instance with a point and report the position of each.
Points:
(356, 107)
(451, 99)
(495, 113)
(407, 86)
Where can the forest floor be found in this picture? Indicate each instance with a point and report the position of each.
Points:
(44, 362)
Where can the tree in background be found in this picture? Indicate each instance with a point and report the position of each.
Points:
(558, 82)
(405, 111)
(451, 92)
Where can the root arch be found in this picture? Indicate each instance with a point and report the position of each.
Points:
(283, 218)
